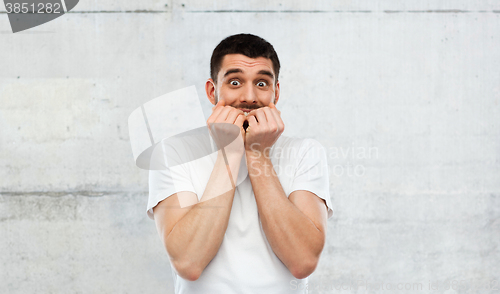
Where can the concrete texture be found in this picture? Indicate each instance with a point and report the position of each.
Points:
(404, 95)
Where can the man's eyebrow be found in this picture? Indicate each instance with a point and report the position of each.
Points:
(267, 73)
(237, 70)
(231, 71)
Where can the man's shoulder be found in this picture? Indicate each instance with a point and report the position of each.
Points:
(187, 147)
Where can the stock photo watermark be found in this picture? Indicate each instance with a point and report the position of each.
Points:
(184, 145)
(351, 155)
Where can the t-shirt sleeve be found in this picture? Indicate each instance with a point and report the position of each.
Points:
(164, 183)
(311, 173)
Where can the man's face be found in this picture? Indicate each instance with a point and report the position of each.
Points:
(244, 83)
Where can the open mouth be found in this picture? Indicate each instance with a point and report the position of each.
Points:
(245, 123)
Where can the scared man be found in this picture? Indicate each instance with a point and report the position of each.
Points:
(257, 214)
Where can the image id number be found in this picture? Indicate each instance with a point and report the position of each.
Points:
(33, 8)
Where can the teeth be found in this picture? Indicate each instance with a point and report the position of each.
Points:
(246, 113)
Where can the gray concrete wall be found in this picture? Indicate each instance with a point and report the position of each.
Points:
(404, 95)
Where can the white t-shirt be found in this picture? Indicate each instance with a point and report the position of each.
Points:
(245, 262)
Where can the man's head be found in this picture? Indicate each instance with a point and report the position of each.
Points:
(244, 72)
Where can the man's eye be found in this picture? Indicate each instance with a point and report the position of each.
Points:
(261, 84)
(234, 83)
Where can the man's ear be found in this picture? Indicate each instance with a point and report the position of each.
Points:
(277, 93)
(210, 89)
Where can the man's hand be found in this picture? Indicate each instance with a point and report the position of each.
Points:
(221, 125)
(264, 128)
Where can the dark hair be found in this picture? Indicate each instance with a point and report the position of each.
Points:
(249, 45)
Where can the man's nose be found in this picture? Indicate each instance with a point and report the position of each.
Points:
(248, 95)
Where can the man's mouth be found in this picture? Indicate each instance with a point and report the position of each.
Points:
(246, 111)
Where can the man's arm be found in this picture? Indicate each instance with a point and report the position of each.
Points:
(192, 235)
(296, 226)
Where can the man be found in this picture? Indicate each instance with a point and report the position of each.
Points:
(260, 203)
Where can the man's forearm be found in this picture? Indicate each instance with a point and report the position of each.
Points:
(294, 238)
(196, 238)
